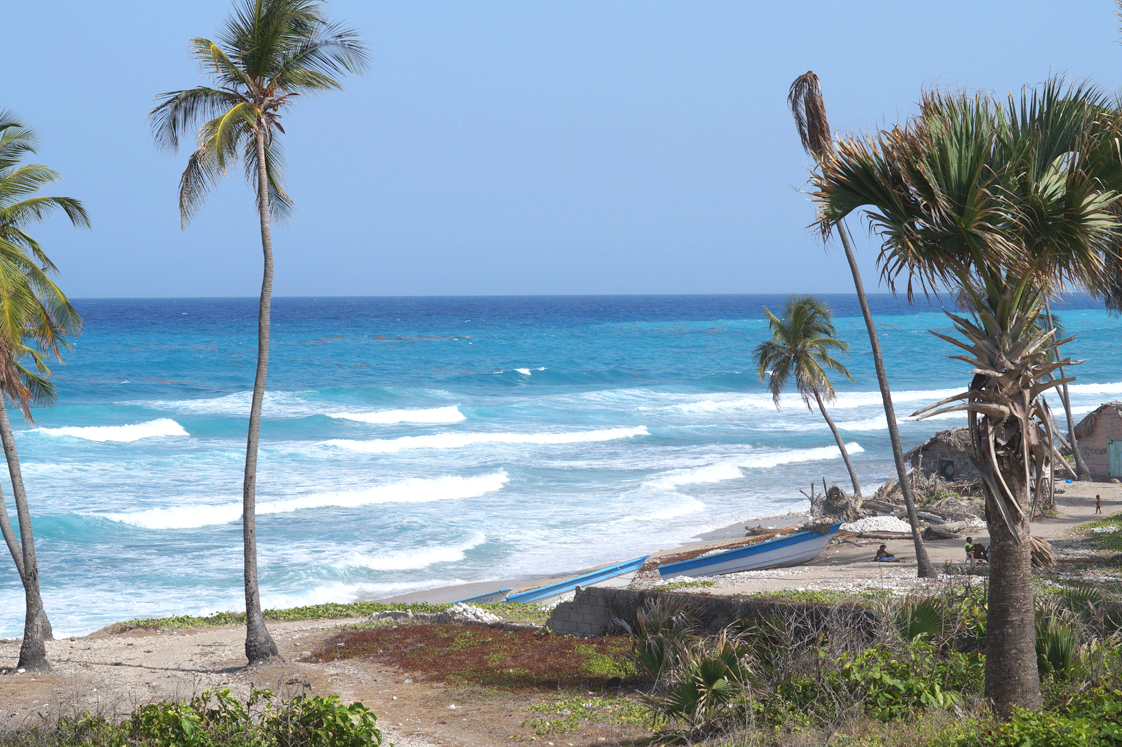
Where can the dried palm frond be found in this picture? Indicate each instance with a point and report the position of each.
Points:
(1043, 556)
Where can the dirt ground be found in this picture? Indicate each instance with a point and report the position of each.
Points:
(111, 674)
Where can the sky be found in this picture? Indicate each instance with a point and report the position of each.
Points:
(512, 148)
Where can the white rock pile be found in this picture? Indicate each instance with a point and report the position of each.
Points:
(463, 612)
(878, 524)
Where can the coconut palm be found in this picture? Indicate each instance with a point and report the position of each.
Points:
(800, 348)
(809, 110)
(268, 53)
(1008, 204)
(35, 318)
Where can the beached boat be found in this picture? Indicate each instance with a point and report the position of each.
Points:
(617, 576)
(794, 549)
(493, 596)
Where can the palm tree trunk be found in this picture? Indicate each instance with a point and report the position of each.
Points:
(1080, 465)
(36, 626)
(841, 445)
(924, 567)
(1012, 679)
(259, 645)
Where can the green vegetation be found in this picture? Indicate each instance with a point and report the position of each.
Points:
(1105, 534)
(515, 611)
(217, 719)
(673, 585)
(567, 713)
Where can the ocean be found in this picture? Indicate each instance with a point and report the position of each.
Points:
(409, 443)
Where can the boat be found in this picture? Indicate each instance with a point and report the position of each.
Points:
(616, 576)
(492, 596)
(781, 552)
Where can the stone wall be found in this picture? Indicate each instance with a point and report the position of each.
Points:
(592, 609)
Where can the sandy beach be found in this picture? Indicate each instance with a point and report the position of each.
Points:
(112, 673)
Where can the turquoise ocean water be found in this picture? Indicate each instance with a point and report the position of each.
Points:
(418, 442)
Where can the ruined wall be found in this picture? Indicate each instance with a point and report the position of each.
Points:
(1108, 425)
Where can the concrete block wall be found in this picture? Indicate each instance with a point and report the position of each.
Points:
(586, 616)
(592, 609)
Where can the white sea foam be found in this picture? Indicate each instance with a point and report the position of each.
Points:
(406, 560)
(460, 440)
(275, 405)
(720, 405)
(389, 417)
(689, 505)
(708, 474)
(777, 458)
(120, 433)
(414, 490)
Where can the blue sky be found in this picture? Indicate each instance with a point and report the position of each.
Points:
(512, 147)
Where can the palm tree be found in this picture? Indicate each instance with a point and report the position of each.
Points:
(809, 110)
(1008, 205)
(268, 53)
(35, 318)
(799, 348)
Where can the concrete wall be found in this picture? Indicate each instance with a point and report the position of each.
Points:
(593, 608)
(1108, 425)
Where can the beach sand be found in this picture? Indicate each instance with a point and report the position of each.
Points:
(112, 673)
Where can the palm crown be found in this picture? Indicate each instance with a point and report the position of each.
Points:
(800, 347)
(268, 52)
(35, 316)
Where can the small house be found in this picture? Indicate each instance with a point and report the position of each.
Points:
(947, 454)
(1100, 440)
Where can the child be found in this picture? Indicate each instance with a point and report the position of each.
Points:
(1098, 504)
(884, 556)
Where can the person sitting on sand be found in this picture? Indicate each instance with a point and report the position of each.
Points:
(884, 556)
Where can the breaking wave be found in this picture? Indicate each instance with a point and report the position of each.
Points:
(120, 433)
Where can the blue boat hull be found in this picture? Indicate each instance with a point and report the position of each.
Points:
(781, 552)
(599, 576)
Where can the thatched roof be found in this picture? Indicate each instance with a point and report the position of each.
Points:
(1087, 424)
(952, 439)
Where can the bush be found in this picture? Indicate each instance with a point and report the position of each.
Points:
(218, 719)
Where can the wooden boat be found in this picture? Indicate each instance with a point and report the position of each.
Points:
(492, 596)
(618, 575)
(794, 549)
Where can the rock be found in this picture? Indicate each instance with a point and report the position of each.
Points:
(394, 615)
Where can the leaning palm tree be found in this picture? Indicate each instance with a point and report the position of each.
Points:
(800, 348)
(809, 110)
(35, 318)
(268, 53)
(1007, 204)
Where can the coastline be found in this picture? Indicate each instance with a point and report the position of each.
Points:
(703, 541)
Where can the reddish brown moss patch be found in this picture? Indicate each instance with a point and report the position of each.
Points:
(492, 658)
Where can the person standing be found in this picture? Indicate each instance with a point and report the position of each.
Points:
(1098, 504)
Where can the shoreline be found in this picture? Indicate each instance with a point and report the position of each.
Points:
(707, 540)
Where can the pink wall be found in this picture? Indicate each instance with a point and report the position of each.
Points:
(1093, 447)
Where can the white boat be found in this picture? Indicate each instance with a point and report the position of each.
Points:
(794, 549)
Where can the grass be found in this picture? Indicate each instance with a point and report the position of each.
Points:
(820, 597)
(567, 713)
(332, 611)
(505, 660)
(685, 585)
(1104, 540)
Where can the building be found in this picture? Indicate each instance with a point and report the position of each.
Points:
(1100, 440)
(947, 454)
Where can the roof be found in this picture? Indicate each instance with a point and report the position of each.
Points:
(1087, 424)
(953, 439)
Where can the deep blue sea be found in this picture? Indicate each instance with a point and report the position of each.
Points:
(418, 442)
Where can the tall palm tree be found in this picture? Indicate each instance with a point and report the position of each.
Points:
(809, 110)
(1008, 204)
(35, 318)
(799, 348)
(268, 53)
